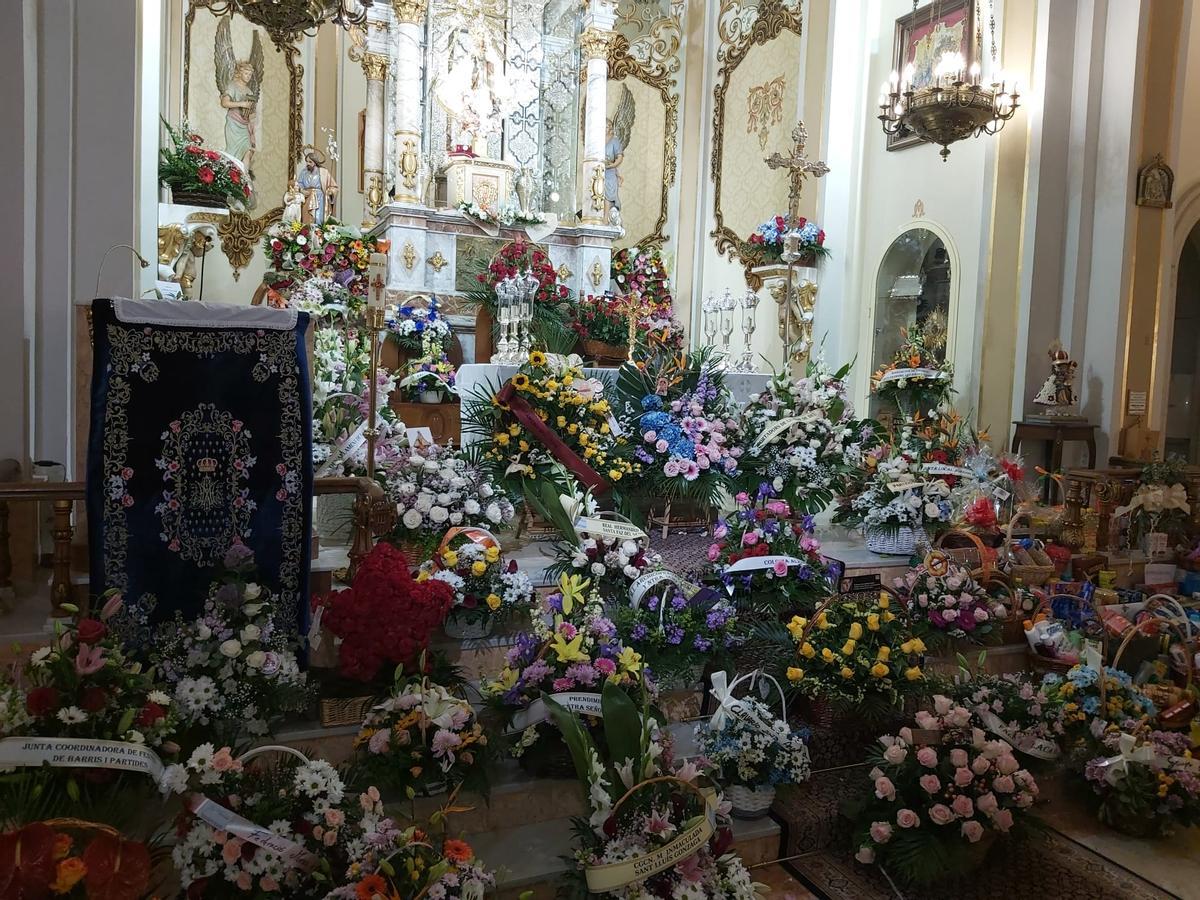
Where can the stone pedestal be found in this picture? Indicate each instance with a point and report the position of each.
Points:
(472, 179)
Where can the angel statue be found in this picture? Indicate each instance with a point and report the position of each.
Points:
(617, 130)
(239, 82)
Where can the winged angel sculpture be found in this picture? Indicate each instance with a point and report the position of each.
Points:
(618, 129)
(239, 82)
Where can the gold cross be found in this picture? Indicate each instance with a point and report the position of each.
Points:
(799, 167)
(378, 284)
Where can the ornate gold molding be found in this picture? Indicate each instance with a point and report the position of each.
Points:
(239, 232)
(564, 272)
(594, 42)
(375, 66)
(621, 65)
(596, 272)
(438, 261)
(409, 12)
(410, 163)
(739, 29)
(409, 255)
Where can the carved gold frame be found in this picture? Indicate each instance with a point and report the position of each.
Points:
(736, 41)
(622, 65)
(241, 231)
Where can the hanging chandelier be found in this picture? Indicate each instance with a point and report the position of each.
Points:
(288, 20)
(956, 104)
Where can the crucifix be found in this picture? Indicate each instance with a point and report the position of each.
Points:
(375, 312)
(799, 167)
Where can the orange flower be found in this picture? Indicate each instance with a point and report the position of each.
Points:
(457, 851)
(68, 874)
(914, 360)
(371, 887)
(62, 846)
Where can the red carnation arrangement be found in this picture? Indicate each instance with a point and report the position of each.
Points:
(385, 616)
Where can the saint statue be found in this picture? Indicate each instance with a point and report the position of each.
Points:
(616, 139)
(320, 190)
(239, 82)
(293, 203)
(474, 90)
(1057, 395)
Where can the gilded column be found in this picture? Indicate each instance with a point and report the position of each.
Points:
(375, 67)
(410, 25)
(594, 44)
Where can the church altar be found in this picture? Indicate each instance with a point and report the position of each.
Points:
(473, 377)
(442, 250)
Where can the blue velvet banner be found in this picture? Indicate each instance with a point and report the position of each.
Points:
(201, 437)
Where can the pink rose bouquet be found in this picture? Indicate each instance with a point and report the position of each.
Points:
(951, 605)
(936, 796)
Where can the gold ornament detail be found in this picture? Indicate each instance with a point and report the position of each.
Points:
(593, 43)
(409, 163)
(800, 312)
(564, 272)
(409, 12)
(622, 64)
(375, 66)
(598, 190)
(239, 233)
(409, 255)
(438, 261)
(596, 272)
(740, 28)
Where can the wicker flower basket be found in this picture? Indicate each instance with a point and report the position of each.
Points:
(463, 627)
(339, 711)
(196, 198)
(902, 541)
(750, 802)
(605, 354)
(1033, 567)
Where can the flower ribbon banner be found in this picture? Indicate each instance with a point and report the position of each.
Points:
(609, 528)
(754, 563)
(611, 876)
(80, 753)
(510, 397)
(772, 431)
(1039, 748)
(646, 582)
(902, 374)
(729, 705)
(937, 468)
(582, 702)
(230, 822)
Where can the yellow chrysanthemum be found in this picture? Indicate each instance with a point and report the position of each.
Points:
(478, 567)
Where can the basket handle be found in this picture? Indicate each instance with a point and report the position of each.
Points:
(937, 563)
(272, 748)
(985, 556)
(1133, 632)
(475, 533)
(753, 676)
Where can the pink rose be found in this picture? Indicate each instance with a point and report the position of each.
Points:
(958, 758)
(742, 498)
(1024, 799)
(895, 754)
(1007, 764)
(942, 705)
(963, 806)
(906, 735)
(334, 817)
(926, 721)
(980, 765)
(906, 818)
(267, 883)
(779, 567)
(1004, 784)
(244, 881)
(931, 784)
(959, 717)
(987, 803)
(884, 789)
(963, 777)
(750, 538)
(1003, 820)
(881, 832)
(865, 855)
(941, 814)
(927, 757)
(231, 850)
(714, 550)
(972, 830)
(222, 760)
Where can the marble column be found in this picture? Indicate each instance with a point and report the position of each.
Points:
(375, 67)
(410, 28)
(594, 45)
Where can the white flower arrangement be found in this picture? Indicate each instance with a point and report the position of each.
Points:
(765, 752)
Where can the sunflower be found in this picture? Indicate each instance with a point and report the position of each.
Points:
(537, 358)
(520, 381)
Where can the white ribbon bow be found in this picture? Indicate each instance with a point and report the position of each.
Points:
(730, 706)
(1157, 498)
(1117, 767)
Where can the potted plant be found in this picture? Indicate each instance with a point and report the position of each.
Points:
(753, 751)
(198, 176)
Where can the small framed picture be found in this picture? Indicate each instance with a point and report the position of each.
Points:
(922, 37)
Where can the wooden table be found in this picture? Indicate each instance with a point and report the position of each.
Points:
(1055, 434)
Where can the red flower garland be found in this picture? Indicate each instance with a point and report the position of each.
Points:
(385, 617)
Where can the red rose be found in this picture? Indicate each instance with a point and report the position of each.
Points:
(195, 151)
(821, 236)
(206, 174)
(91, 631)
(150, 714)
(93, 699)
(235, 175)
(41, 701)
(245, 190)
